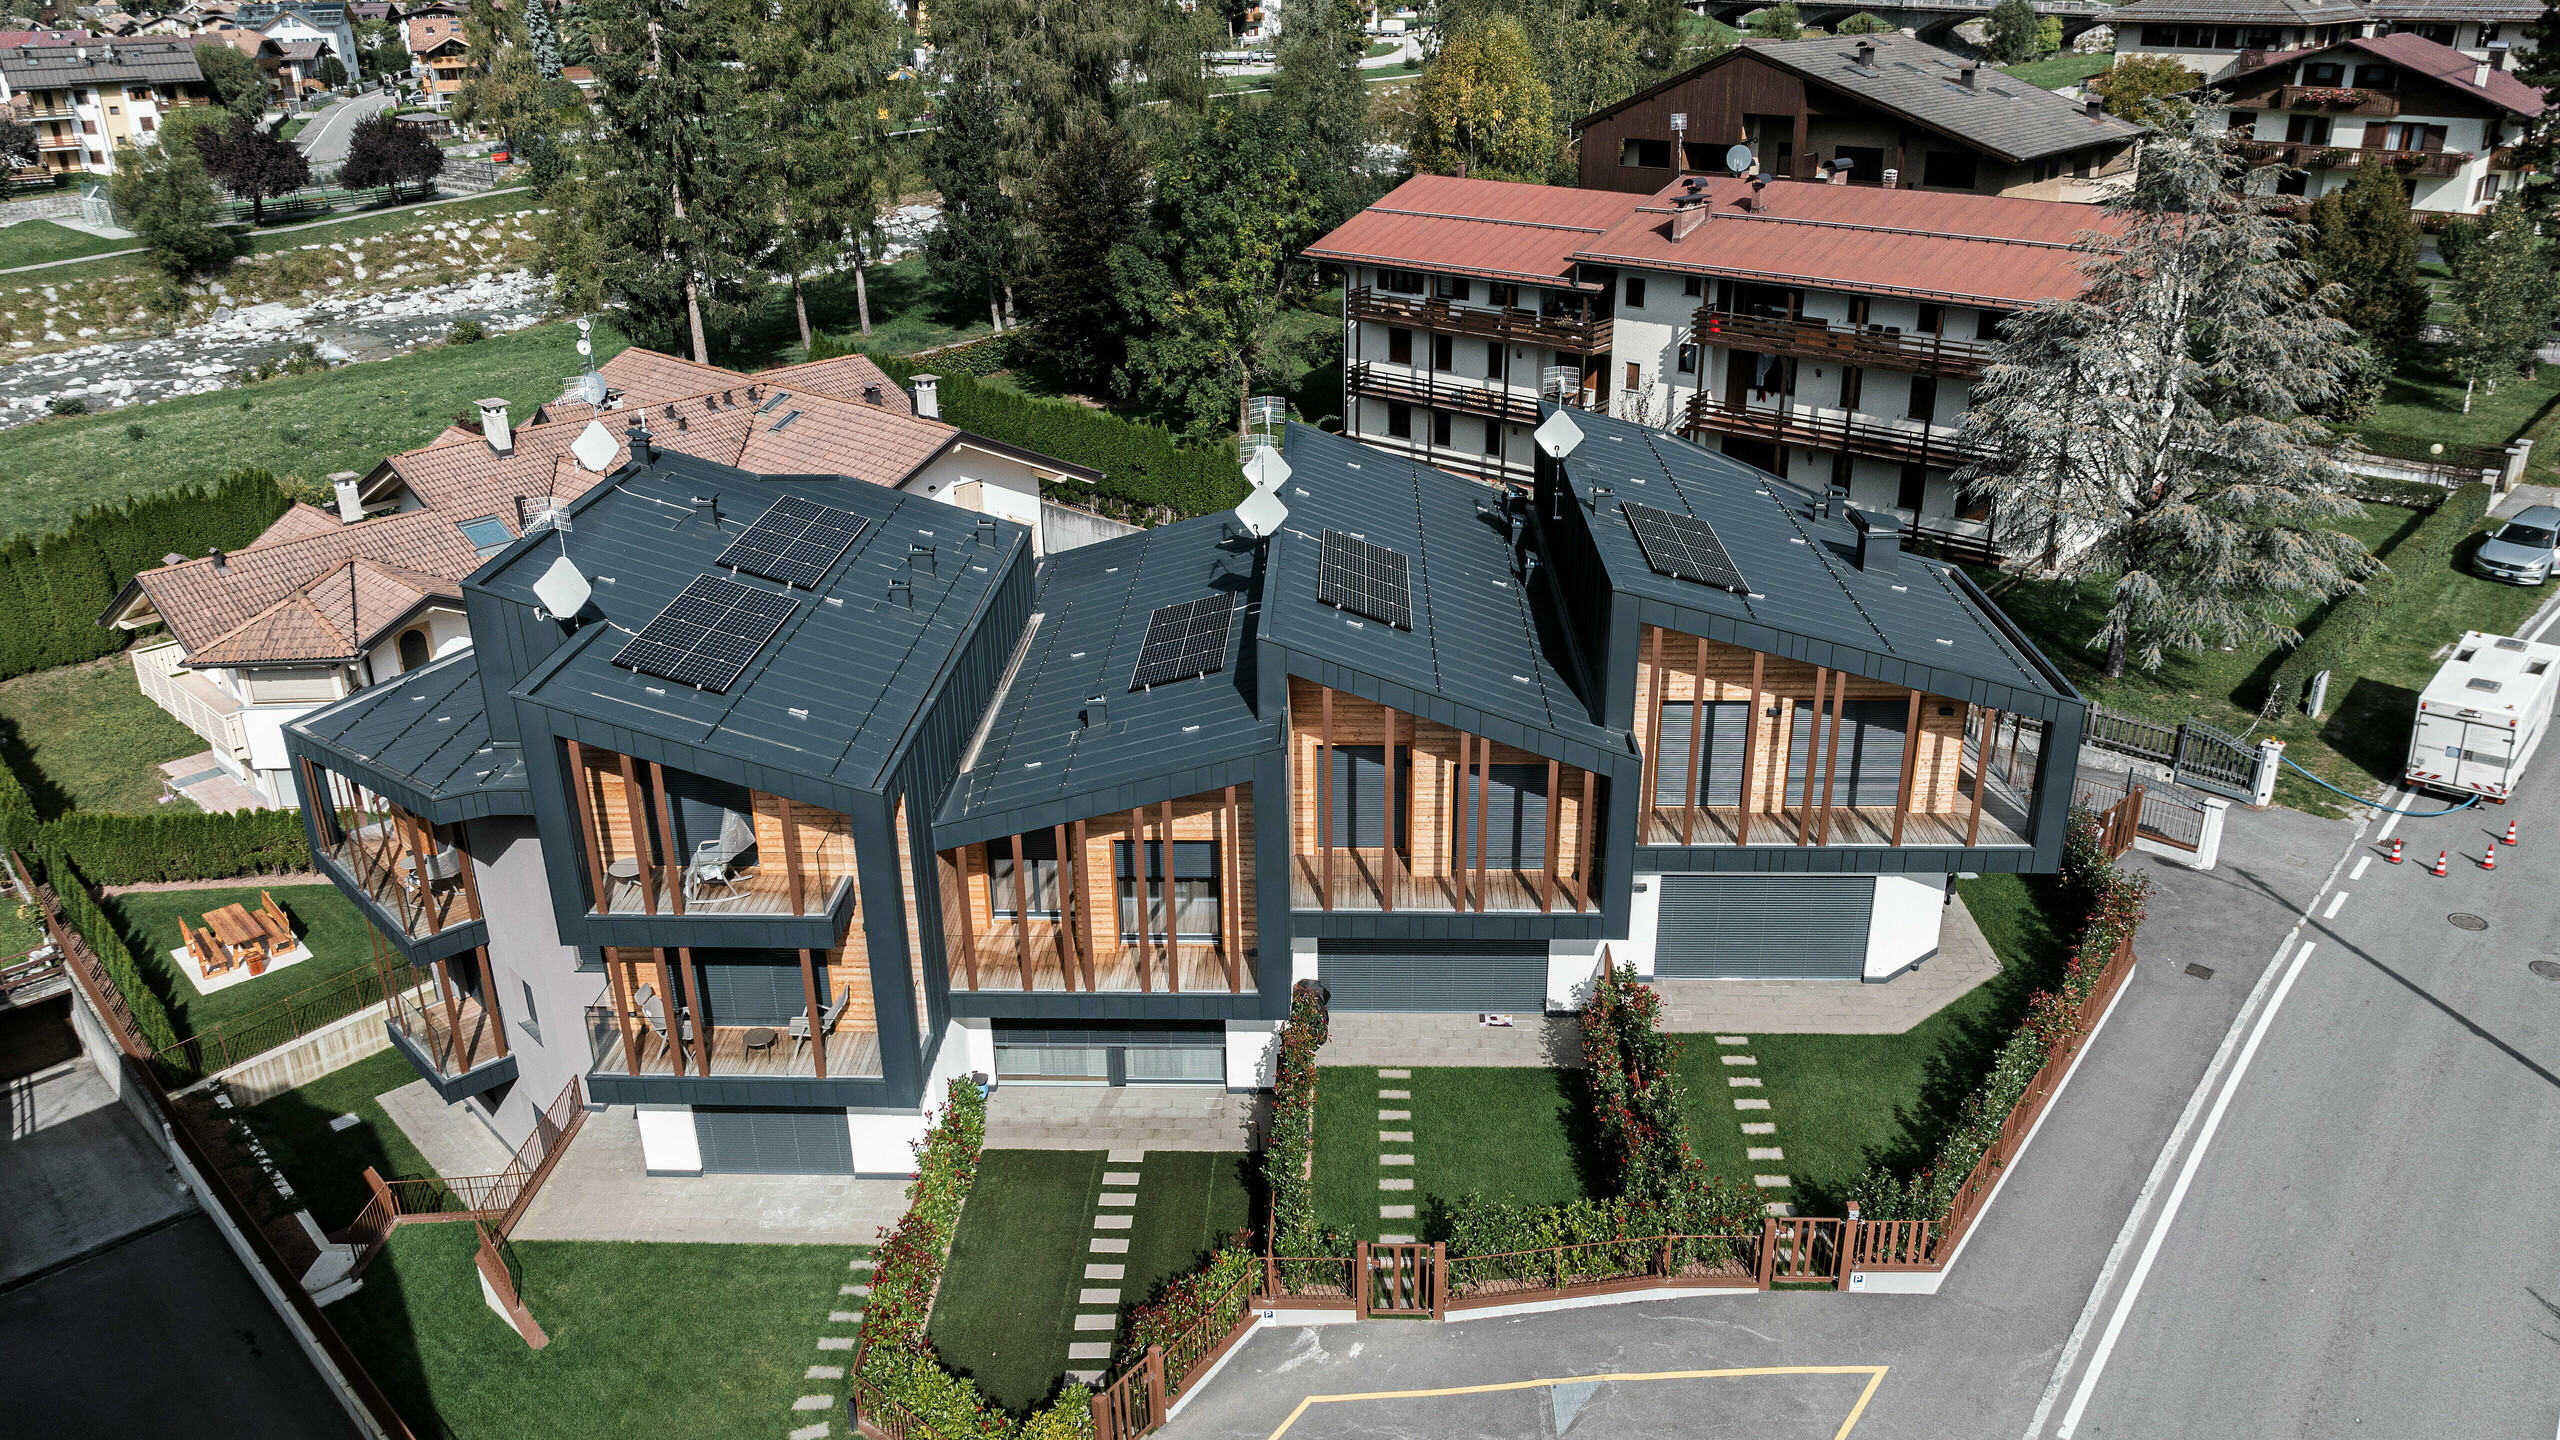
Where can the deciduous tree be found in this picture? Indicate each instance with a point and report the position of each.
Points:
(1318, 87)
(2504, 291)
(1778, 22)
(382, 151)
(2139, 80)
(1480, 105)
(162, 193)
(252, 162)
(2009, 32)
(239, 86)
(2365, 239)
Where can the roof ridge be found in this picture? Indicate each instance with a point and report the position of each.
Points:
(1488, 220)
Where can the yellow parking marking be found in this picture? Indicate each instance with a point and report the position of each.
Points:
(1874, 1374)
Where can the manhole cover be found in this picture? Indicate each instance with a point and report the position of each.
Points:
(2468, 922)
(2201, 972)
(2547, 969)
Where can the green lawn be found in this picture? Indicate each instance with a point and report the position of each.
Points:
(1840, 1101)
(327, 1166)
(21, 929)
(2422, 406)
(1006, 1310)
(2055, 71)
(86, 737)
(1189, 1203)
(1519, 1132)
(33, 242)
(909, 312)
(710, 1342)
(302, 429)
(325, 920)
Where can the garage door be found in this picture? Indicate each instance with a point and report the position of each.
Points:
(1454, 976)
(737, 1141)
(1763, 927)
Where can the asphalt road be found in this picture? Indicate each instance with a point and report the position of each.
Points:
(325, 140)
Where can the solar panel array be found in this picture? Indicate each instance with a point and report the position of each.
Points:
(1683, 547)
(1365, 579)
(795, 541)
(1184, 641)
(707, 635)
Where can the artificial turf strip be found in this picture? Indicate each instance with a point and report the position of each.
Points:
(1189, 1203)
(709, 1342)
(1840, 1101)
(1501, 1130)
(323, 919)
(1006, 1311)
(327, 1166)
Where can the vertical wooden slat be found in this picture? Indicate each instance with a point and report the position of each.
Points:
(1021, 914)
(1981, 773)
(421, 845)
(1831, 756)
(692, 982)
(1651, 772)
(1172, 922)
(452, 1012)
(1484, 805)
(791, 853)
(1324, 801)
(638, 809)
(1697, 748)
(1555, 823)
(1066, 907)
(1582, 845)
(968, 908)
(1804, 802)
(1138, 865)
(1458, 869)
(1084, 903)
(675, 859)
(1910, 766)
(620, 974)
(1387, 840)
(1230, 865)
(489, 999)
(1750, 748)
(817, 1016)
(470, 873)
(669, 1002)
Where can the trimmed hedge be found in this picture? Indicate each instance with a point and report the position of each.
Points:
(1287, 1161)
(130, 849)
(2332, 643)
(53, 589)
(1216, 1295)
(81, 910)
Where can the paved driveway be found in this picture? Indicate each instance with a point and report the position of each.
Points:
(324, 141)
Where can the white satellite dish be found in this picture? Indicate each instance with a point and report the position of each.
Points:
(586, 346)
(1738, 159)
(595, 448)
(1266, 470)
(1262, 513)
(1557, 435)
(563, 589)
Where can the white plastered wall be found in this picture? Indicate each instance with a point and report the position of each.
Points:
(1253, 1054)
(668, 1144)
(1902, 928)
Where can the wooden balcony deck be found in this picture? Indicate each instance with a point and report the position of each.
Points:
(851, 1054)
(1442, 390)
(1806, 427)
(1115, 971)
(763, 890)
(430, 1026)
(1872, 346)
(1359, 878)
(1865, 825)
(1528, 327)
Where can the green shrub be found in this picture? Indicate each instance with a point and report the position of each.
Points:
(465, 332)
(1287, 1161)
(1215, 1295)
(2332, 642)
(128, 849)
(80, 909)
(66, 405)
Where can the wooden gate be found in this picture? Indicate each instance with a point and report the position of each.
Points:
(1800, 1250)
(1404, 1281)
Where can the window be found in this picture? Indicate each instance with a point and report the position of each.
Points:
(1933, 320)
(1986, 323)
(2487, 189)
(1853, 387)
(488, 534)
(1688, 360)
(1635, 377)
(149, 125)
(1722, 751)
(1451, 287)
(1645, 154)
(1866, 163)
(1493, 359)
(1913, 489)
(1924, 398)
(1440, 427)
(2441, 34)
(1694, 287)
(1399, 420)
(1401, 282)
(2376, 77)
(1949, 169)
(1515, 819)
(90, 127)
(1444, 352)
(1399, 346)
(1493, 437)
(2240, 124)
(115, 109)
(414, 649)
(1635, 292)
(2307, 129)
(531, 1024)
(1195, 888)
(2324, 72)
(1039, 880)
(1504, 296)
(1867, 770)
(2488, 35)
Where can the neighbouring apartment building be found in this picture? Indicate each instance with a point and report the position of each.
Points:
(1828, 333)
(766, 800)
(2447, 123)
(87, 102)
(439, 53)
(2221, 38)
(327, 603)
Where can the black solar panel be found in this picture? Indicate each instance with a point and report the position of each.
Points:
(1683, 547)
(706, 636)
(1365, 579)
(795, 541)
(1183, 641)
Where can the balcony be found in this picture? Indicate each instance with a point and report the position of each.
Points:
(1807, 427)
(664, 842)
(1490, 398)
(637, 1049)
(2337, 100)
(1873, 346)
(1556, 330)
(457, 1044)
(197, 702)
(58, 142)
(742, 1015)
(414, 872)
(2434, 164)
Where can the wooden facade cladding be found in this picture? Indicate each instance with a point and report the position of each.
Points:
(1057, 910)
(1465, 825)
(1796, 787)
(1716, 100)
(798, 858)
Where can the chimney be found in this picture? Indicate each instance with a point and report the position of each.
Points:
(1097, 712)
(1866, 54)
(350, 507)
(1965, 74)
(2500, 55)
(927, 404)
(493, 425)
(2097, 107)
(1879, 541)
(1462, 169)
(220, 565)
(1689, 214)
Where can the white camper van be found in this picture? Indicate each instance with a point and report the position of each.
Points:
(2483, 715)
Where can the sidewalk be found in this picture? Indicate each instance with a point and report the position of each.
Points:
(1836, 1007)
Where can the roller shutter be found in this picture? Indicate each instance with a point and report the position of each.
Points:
(1869, 766)
(1763, 927)
(739, 1141)
(1446, 976)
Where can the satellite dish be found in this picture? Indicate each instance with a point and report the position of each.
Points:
(1262, 513)
(586, 346)
(585, 324)
(563, 589)
(595, 448)
(1266, 470)
(1557, 435)
(1738, 159)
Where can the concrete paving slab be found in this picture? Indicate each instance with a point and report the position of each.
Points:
(1128, 1121)
(600, 1191)
(450, 1137)
(78, 1172)
(1394, 1043)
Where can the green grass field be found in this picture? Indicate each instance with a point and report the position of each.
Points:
(1840, 1101)
(1189, 1203)
(2422, 406)
(86, 737)
(324, 919)
(710, 1342)
(2055, 71)
(327, 1166)
(21, 929)
(34, 242)
(1519, 1132)
(1006, 1310)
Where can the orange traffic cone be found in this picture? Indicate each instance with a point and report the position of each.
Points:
(2395, 851)
(2440, 866)
(2511, 834)
(2489, 858)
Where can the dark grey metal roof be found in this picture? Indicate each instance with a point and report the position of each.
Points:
(837, 690)
(119, 62)
(2006, 116)
(1034, 760)
(1922, 624)
(430, 730)
(1476, 640)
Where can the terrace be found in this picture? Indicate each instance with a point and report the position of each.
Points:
(667, 842)
(736, 1013)
(415, 872)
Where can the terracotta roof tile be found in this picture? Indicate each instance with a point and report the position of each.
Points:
(1494, 228)
(291, 629)
(843, 377)
(299, 522)
(201, 607)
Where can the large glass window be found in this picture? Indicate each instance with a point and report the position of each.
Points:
(1040, 875)
(1194, 889)
(1870, 756)
(1514, 820)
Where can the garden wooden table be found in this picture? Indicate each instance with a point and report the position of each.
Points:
(240, 933)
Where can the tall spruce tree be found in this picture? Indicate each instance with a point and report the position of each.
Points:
(814, 70)
(1088, 214)
(2365, 239)
(542, 39)
(2504, 291)
(2150, 430)
(974, 250)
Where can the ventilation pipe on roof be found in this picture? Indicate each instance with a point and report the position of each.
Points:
(1690, 211)
(927, 404)
(350, 504)
(493, 425)
(1966, 74)
(706, 510)
(1462, 169)
(1879, 542)
(1866, 54)
(1097, 712)
(220, 565)
(641, 449)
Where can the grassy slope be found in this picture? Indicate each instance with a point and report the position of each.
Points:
(1840, 1101)
(86, 736)
(2423, 401)
(1188, 1203)
(1005, 1312)
(327, 1166)
(327, 921)
(345, 419)
(704, 1341)
(380, 220)
(1497, 1130)
(2055, 71)
(33, 242)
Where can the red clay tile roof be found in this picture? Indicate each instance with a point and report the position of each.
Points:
(203, 608)
(298, 522)
(1494, 228)
(842, 377)
(2440, 63)
(335, 618)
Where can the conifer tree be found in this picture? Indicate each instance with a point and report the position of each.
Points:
(542, 39)
(814, 70)
(2366, 240)
(1318, 86)
(2504, 291)
(1088, 213)
(974, 249)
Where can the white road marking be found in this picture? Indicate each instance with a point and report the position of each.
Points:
(2177, 1196)
(2392, 822)
(2552, 605)
(2334, 902)
(2358, 872)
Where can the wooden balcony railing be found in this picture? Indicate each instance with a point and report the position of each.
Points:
(1872, 345)
(1810, 428)
(1491, 398)
(2430, 163)
(1531, 327)
(2337, 100)
(58, 142)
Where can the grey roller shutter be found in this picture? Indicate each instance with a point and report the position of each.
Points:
(1442, 976)
(1515, 818)
(1870, 762)
(1726, 720)
(754, 987)
(1360, 796)
(739, 1141)
(1763, 927)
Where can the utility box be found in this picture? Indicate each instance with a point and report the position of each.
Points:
(2483, 716)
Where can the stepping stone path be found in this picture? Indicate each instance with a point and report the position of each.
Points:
(1394, 1151)
(847, 1316)
(1754, 1129)
(1098, 1302)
